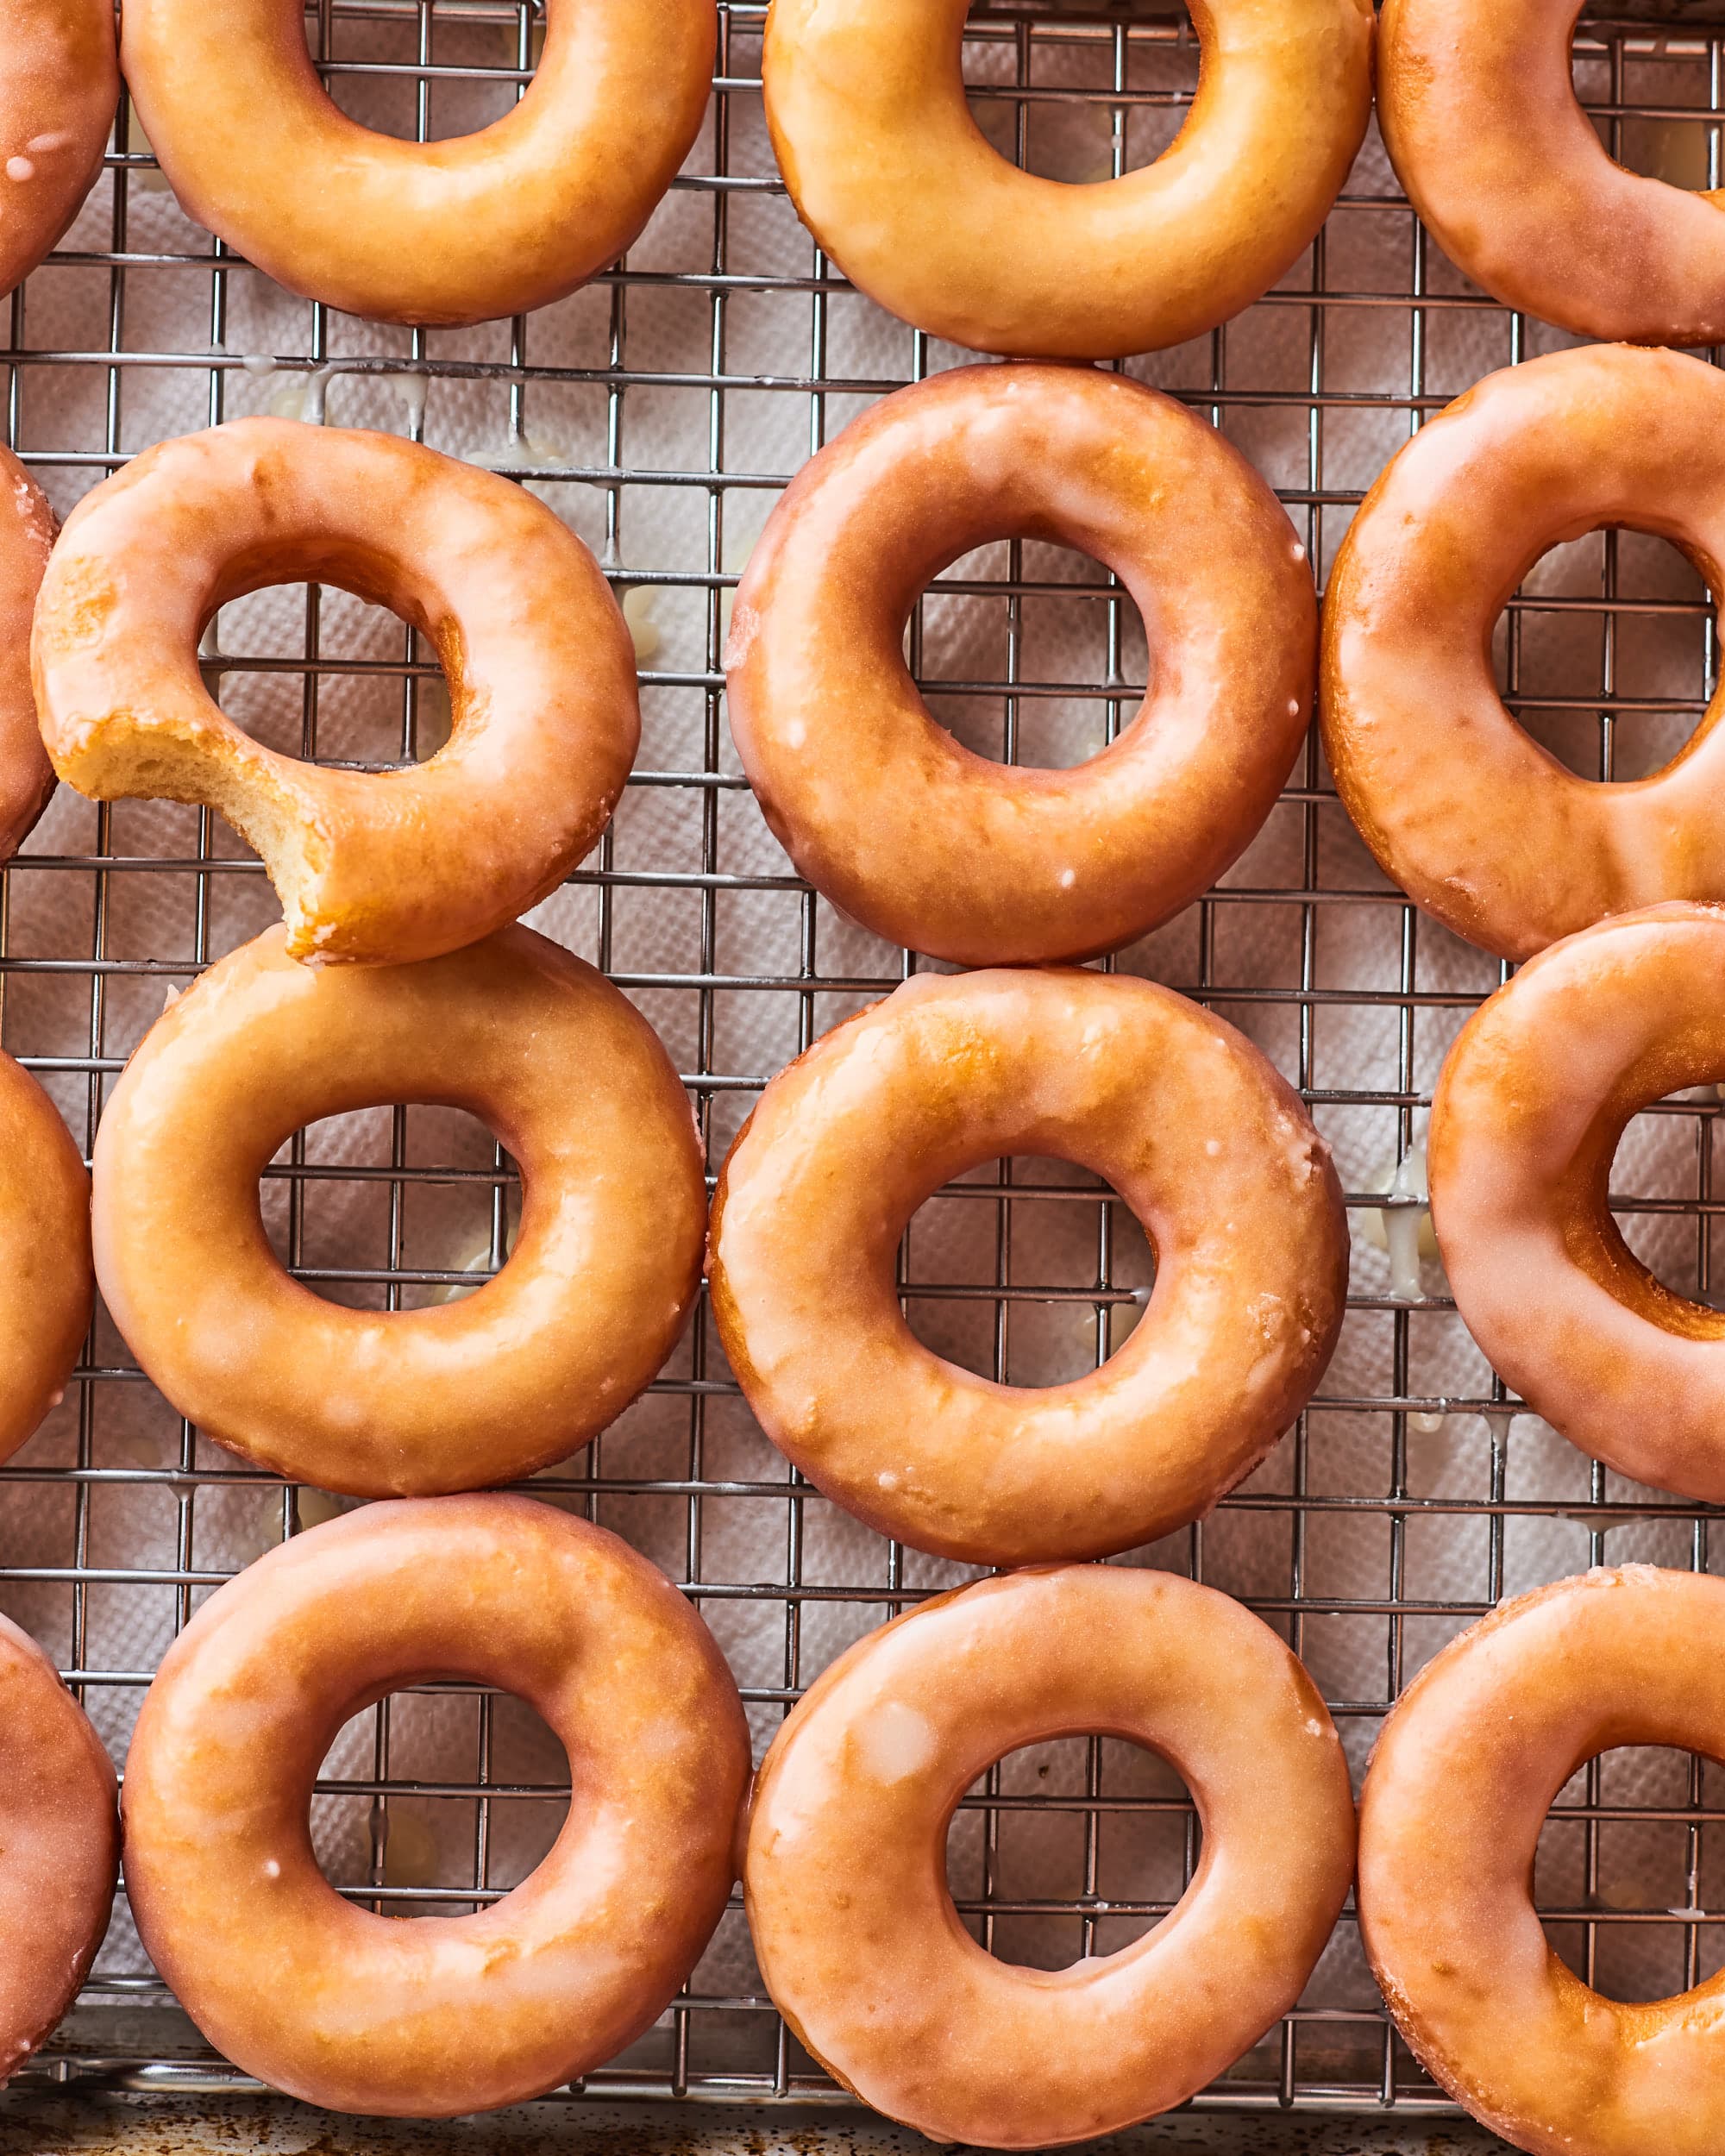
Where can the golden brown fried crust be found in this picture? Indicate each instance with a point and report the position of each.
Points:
(466, 230)
(520, 1033)
(930, 845)
(866, 103)
(1214, 1153)
(359, 2012)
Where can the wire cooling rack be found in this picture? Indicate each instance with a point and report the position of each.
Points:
(1369, 334)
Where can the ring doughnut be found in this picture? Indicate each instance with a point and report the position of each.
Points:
(845, 1864)
(430, 2017)
(45, 1267)
(27, 537)
(457, 231)
(1464, 1771)
(866, 104)
(606, 1266)
(1212, 1151)
(1526, 1117)
(1469, 815)
(59, 1846)
(60, 84)
(371, 867)
(1477, 107)
(944, 851)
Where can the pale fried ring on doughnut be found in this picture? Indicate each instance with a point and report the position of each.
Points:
(1476, 102)
(1464, 1771)
(427, 2019)
(941, 850)
(47, 1284)
(1212, 1152)
(1532, 1100)
(456, 231)
(575, 1085)
(59, 1846)
(59, 82)
(845, 1864)
(1472, 816)
(371, 867)
(866, 103)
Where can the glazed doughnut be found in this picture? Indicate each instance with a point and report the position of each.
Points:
(1526, 1117)
(428, 2018)
(1212, 1152)
(27, 536)
(573, 1082)
(1477, 107)
(866, 103)
(1476, 821)
(1464, 1771)
(59, 1846)
(45, 1271)
(456, 231)
(942, 851)
(845, 1864)
(371, 867)
(60, 83)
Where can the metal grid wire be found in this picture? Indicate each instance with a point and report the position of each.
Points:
(730, 2046)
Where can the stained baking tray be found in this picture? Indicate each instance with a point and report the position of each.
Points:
(661, 411)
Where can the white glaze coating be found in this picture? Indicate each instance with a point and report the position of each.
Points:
(845, 1862)
(1527, 1113)
(1481, 825)
(1123, 1077)
(59, 1846)
(943, 849)
(1465, 1768)
(431, 2016)
(607, 1263)
(370, 867)
(1476, 102)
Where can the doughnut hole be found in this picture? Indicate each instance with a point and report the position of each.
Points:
(390, 103)
(1068, 130)
(1007, 670)
(1602, 655)
(1028, 1835)
(373, 694)
(399, 1818)
(1654, 1905)
(1682, 152)
(1030, 1271)
(391, 1208)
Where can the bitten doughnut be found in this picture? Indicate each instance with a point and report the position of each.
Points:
(1471, 816)
(47, 1286)
(429, 2017)
(59, 1846)
(1464, 1771)
(456, 231)
(1526, 1117)
(60, 83)
(1477, 107)
(573, 1082)
(866, 103)
(369, 866)
(941, 849)
(1212, 1152)
(845, 1864)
